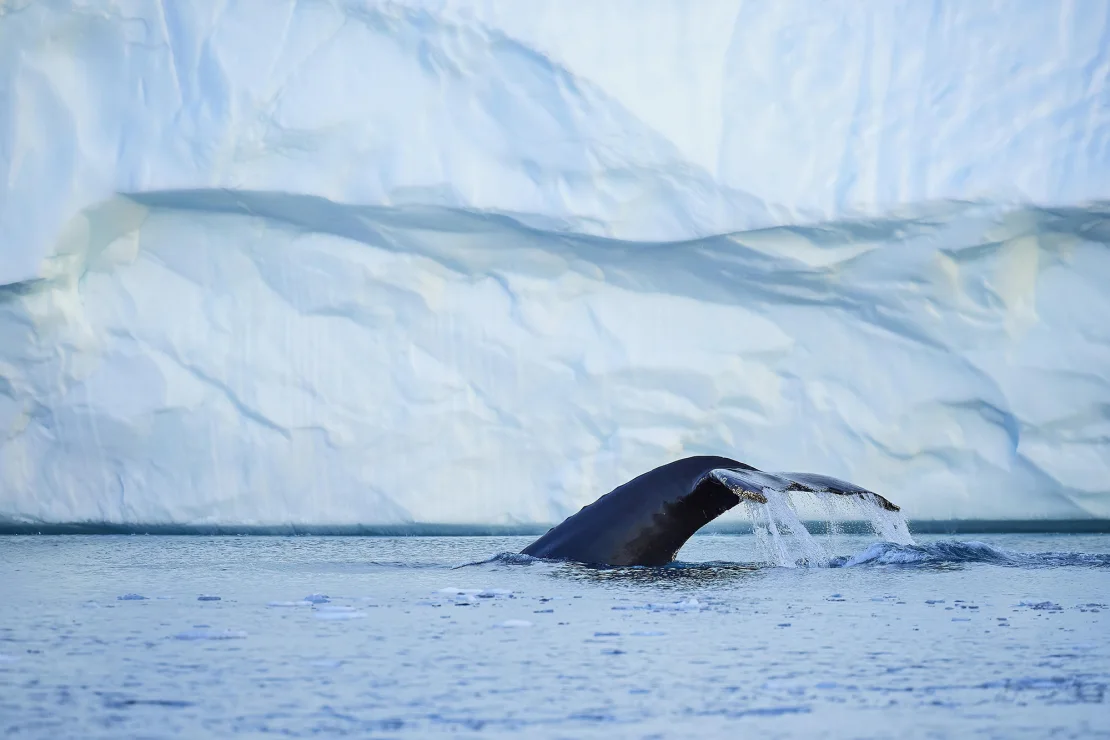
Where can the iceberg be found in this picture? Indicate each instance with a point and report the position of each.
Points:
(450, 262)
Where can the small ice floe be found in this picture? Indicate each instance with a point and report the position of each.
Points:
(495, 593)
(514, 623)
(317, 599)
(208, 634)
(208, 598)
(607, 634)
(543, 611)
(338, 616)
(289, 603)
(336, 612)
(131, 597)
(1041, 606)
(689, 605)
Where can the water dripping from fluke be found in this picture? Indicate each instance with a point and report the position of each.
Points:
(785, 541)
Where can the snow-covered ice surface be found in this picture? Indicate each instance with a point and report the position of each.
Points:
(943, 638)
(362, 263)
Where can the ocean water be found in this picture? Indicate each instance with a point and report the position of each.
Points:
(169, 636)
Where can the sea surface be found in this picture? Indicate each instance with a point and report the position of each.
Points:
(1003, 636)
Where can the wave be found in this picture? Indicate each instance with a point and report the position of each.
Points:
(956, 552)
(933, 554)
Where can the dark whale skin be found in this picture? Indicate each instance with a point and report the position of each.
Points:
(645, 521)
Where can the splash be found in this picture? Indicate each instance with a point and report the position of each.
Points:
(785, 541)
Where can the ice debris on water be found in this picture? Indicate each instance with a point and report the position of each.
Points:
(689, 605)
(199, 634)
(131, 597)
(208, 598)
(337, 616)
(482, 593)
(512, 623)
(493, 593)
(317, 599)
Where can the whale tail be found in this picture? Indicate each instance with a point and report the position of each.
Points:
(647, 520)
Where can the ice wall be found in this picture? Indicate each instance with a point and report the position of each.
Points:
(339, 262)
(207, 356)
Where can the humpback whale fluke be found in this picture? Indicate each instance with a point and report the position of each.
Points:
(647, 520)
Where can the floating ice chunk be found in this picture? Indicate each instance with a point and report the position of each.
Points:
(208, 598)
(493, 593)
(317, 599)
(200, 634)
(512, 623)
(289, 603)
(336, 616)
(131, 597)
(689, 605)
(607, 634)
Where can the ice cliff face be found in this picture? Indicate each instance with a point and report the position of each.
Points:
(344, 262)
